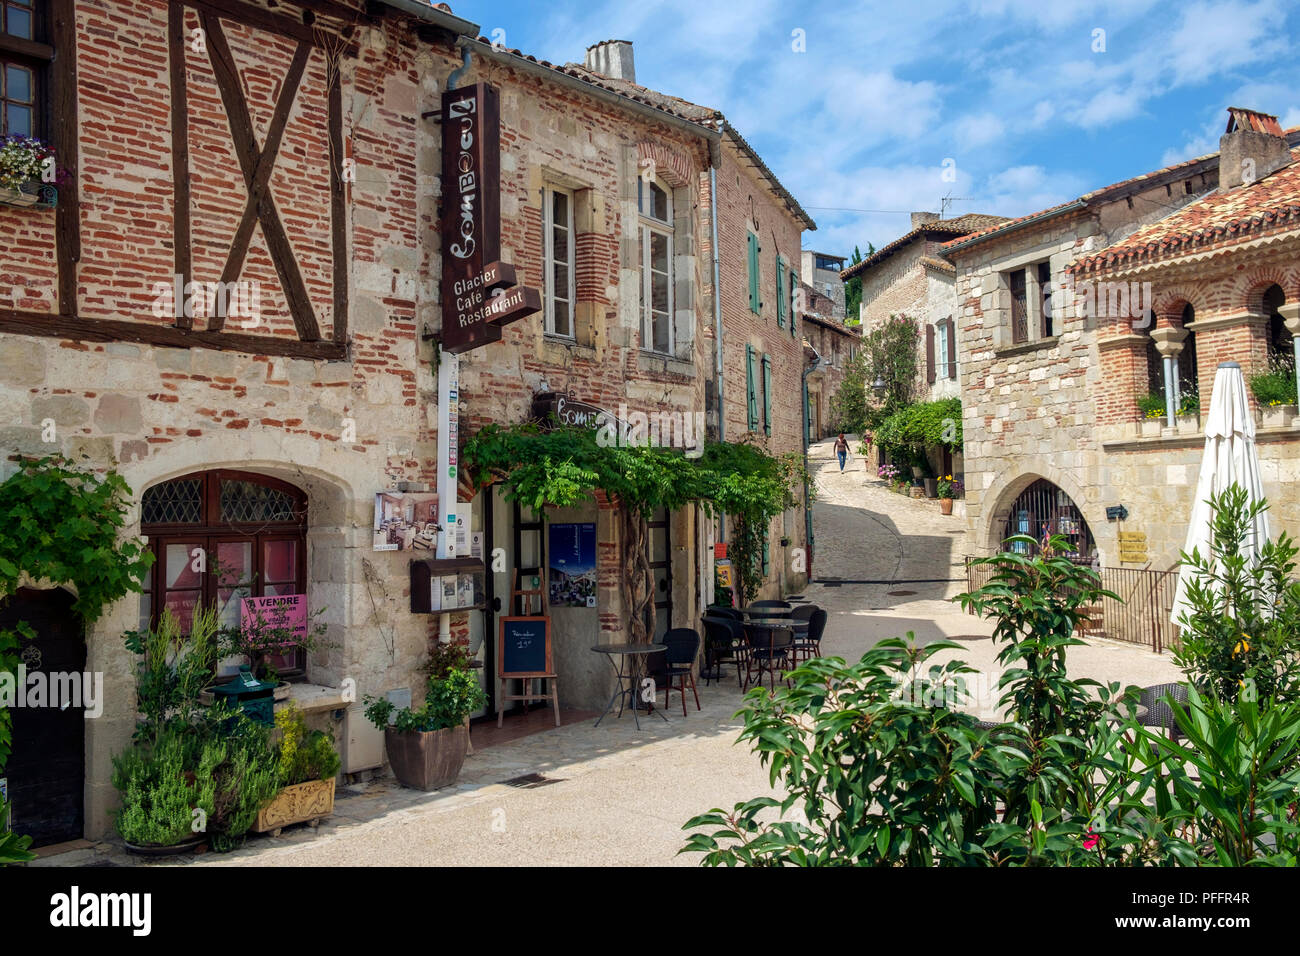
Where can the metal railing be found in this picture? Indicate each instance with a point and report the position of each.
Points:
(1140, 616)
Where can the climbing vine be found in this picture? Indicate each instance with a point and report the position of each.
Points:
(563, 467)
(62, 525)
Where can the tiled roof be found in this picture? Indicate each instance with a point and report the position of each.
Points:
(959, 226)
(1106, 193)
(681, 109)
(1270, 204)
(943, 265)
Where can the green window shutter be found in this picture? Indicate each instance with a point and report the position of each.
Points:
(754, 305)
(767, 394)
(767, 556)
(780, 293)
(793, 315)
(749, 379)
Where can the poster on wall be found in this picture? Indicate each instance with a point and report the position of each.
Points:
(406, 521)
(573, 565)
(287, 611)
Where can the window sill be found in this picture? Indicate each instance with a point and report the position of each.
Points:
(555, 343)
(651, 361)
(313, 698)
(1021, 348)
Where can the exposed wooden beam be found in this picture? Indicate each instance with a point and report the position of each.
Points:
(66, 136)
(176, 46)
(23, 47)
(263, 19)
(338, 205)
(265, 164)
(78, 329)
(246, 149)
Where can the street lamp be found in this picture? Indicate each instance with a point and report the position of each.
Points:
(878, 386)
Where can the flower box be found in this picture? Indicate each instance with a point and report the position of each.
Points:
(26, 195)
(1151, 427)
(1277, 416)
(299, 803)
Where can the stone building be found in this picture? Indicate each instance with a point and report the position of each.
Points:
(822, 271)
(236, 304)
(836, 345)
(910, 277)
(760, 358)
(1066, 317)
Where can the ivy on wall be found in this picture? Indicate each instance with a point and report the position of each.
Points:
(563, 467)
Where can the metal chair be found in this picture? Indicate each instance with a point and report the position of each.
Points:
(719, 611)
(808, 645)
(720, 646)
(768, 647)
(678, 663)
(1159, 713)
(802, 612)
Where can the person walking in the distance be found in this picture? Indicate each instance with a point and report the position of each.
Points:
(841, 449)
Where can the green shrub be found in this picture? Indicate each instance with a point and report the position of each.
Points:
(1277, 385)
(913, 428)
(1152, 405)
(1243, 629)
(301, 755)
(448, 701)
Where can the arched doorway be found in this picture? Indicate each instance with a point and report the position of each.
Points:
(46, 770)
(1042, 510)
(250, 531)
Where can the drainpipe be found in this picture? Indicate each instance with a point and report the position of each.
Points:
(454, 77)
(717, 322)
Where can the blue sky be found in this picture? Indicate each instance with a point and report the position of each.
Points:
(1012, 91)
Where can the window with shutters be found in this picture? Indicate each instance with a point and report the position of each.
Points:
(25, 56)
(656, 208)
(794, 300)
(755, 295)
(558, 241)
(750, 389)
(767, 394)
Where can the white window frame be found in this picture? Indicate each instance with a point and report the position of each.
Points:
(664, 227)
(941, 356)
(549, 258)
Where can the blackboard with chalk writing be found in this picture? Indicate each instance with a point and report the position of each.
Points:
(524, 647)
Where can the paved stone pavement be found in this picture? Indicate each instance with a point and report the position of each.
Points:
(620, 796)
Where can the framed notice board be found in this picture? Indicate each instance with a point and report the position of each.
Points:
(524, 647)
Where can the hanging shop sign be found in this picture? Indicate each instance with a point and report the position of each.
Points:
(554, 408)
(472, 315)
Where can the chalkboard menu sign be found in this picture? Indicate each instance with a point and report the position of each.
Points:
(524, 648)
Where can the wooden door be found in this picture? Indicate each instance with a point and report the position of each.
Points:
(46, 771)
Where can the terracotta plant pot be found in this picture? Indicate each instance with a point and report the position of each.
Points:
(427, 761)
(299, 803)
(945, 506)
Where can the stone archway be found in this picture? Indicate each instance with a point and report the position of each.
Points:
(1008, 486)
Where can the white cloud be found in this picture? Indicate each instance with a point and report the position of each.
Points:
(1108, 106)
(977, 129)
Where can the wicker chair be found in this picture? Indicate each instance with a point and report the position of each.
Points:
(808, 645)
(724, 643)
(1159, 713)
(678, 664)
(769, 649)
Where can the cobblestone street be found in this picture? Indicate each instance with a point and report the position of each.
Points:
(613, 795)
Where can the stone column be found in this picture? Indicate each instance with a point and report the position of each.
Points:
(1169, 343)
(1290, 313)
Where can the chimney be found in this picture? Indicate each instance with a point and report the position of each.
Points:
(1253, 146)
(612, 58)
(919, 219)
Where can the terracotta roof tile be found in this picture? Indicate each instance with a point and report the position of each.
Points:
(957, 227)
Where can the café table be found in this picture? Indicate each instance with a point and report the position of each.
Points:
(769, 625)
(631, 665)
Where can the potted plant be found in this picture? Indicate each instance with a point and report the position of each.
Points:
(1275, 391)
(948, 489)
(426, 747)
(306, 767)
(26, 164)
(1189, 412)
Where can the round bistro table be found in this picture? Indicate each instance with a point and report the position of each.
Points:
(630, 665)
